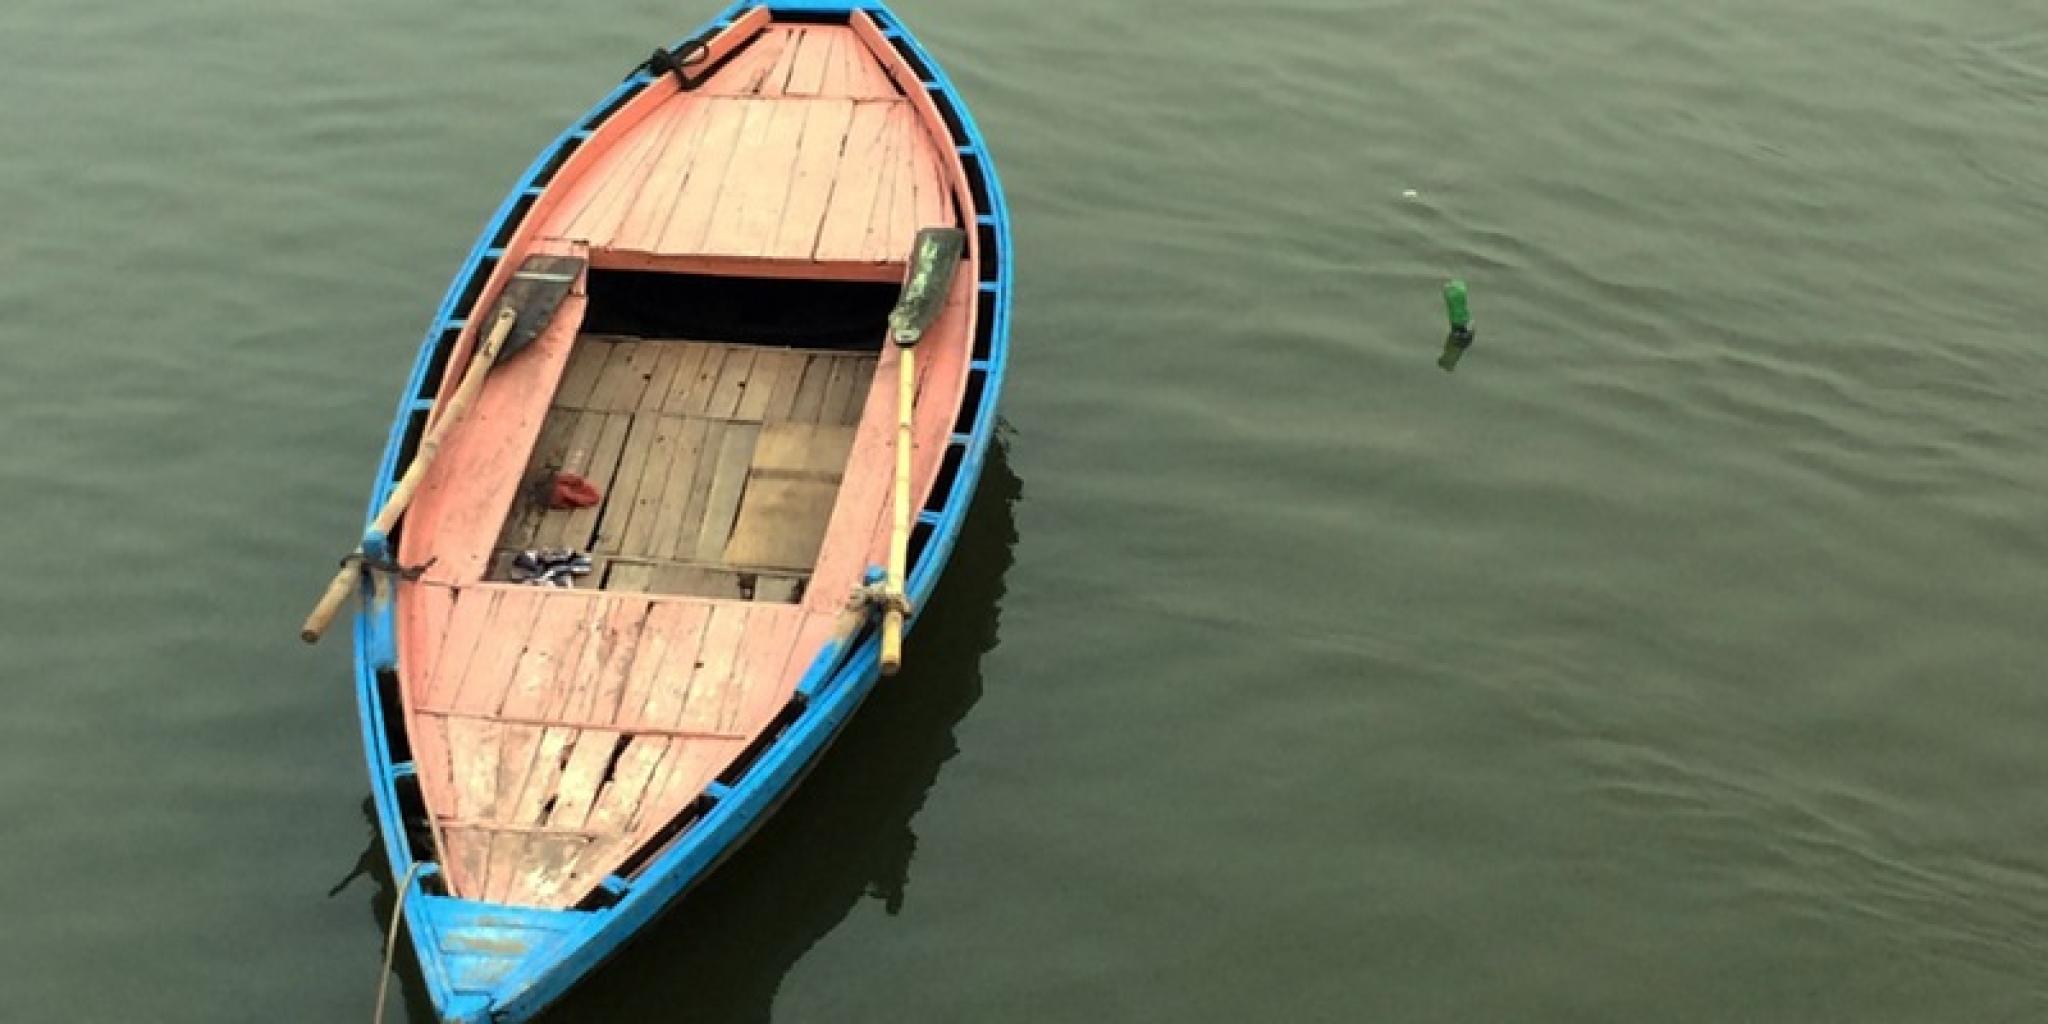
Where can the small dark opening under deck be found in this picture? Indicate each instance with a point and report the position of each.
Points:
(790, 313)
(802, 17)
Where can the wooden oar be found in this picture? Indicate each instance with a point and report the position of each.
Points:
(524, 310)
(927, 280)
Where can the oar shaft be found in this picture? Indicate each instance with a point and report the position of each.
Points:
(344, 580)
(899, 537)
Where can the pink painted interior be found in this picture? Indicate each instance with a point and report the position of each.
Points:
(800, 157)
(804, 155)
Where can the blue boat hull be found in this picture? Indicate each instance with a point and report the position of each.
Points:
(483, 962)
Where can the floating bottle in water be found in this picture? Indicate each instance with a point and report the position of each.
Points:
(1461, 337)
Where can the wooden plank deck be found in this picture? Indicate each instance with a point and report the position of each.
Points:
(579, 727)
(802, 152)
(720, 464)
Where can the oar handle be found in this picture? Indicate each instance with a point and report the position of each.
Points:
(892, 642)
(330, 603)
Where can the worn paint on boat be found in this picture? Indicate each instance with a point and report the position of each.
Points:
(565, 763)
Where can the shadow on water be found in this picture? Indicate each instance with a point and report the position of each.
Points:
(845, 835)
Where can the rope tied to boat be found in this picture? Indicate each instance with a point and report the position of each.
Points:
(387, 564)
(391, 939)
(875, 598)
(375, 555)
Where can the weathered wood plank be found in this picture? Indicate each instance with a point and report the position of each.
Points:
(697, 581)
(813, 177)
(862, 393)
(669, 358)
(474, 744)
(530, 504)
(809, 400)
(578, 525)
(636, 460)
(598, 206)
(747, 221)
(765, 670)
(477, 682)
(781, 523)
(810, 55)
(625, 376)
(598, 222)
(566, 704)
(728, 481)
(800, 449)
(690, 393)
(426, 612)
(662, 576)
(670, 700)
(585, 429)
(629, 577)
(724, 399)
(556, 636)
(768, 74)
(776, 83)
(540, 686)
(685, 379)
(789, 376)
(878, 243)
(499, 828)
(586, 361)
(902, 230)
(701, 704)
(558, 722)
(746, 673)
(631, 524)
(671, 643)
(640, 222)
(595, 746)
(934, 198)
(790, 496)
(838, 391)
(702, 697)
(544, 868)
(679, 639)
(702, 193)
(843, 234)
(869, 79)
(439, 681)
(862, 238)
(658, 511)
(749, 72)
(770, 367)
(838, 68)
(676, 531)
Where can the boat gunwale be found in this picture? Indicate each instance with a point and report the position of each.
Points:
(839, 678)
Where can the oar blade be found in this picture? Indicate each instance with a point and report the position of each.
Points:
(535, 294)
(934, 259)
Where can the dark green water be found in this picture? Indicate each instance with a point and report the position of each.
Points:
(1677, 659)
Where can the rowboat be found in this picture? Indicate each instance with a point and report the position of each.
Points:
(667, 481)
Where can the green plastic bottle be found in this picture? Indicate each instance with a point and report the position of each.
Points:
(1458, 308)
